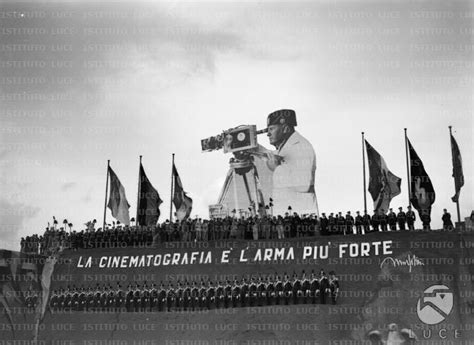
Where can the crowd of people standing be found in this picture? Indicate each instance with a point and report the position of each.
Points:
(249, 228)
(192, 295)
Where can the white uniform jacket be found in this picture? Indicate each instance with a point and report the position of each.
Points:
(293, 179)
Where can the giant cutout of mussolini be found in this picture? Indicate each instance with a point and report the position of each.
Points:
(293, 164)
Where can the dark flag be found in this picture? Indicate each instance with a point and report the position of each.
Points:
(421, 188)
(149, 201)
(457, 169)
(383, 184)
(181, 201)
(118, 203)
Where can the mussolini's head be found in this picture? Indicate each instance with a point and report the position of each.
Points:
(281, 124)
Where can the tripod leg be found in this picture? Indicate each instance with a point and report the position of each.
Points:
(246, 182)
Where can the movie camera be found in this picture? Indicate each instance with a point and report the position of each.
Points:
(242, 142)
(234, 140)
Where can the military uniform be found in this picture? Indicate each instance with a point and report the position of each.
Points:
(252, 293)
(227, 294)
(401, 219)
(341, 224)
(324, 288)
(244, 293)
(375, 221)
(297, 293)
(187, 296)
(194, 296)
(162, 298)
(447, 222)
(210, 296)
(332, 227)
(383, 220)
(261, 292)
(333, 286)
(270, 291)
(119, 298)
(324, 222)
(366, 221)
(145, 298)
(129, 299)
(90, 299)
(53, 301)
(305, 288)
(358, 223)
(170, 298)
(411, 217)
(349, 224)
(235, 294)
(82, 299)
(202, 295)
(392, 220)
(287, 289)
(314, 287)
(279, 291)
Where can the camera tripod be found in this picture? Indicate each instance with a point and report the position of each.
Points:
(243, 164)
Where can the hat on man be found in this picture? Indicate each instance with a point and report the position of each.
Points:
(281, 117)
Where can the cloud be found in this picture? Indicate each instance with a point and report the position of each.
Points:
(13, 217)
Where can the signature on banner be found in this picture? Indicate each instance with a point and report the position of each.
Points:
(410, 262)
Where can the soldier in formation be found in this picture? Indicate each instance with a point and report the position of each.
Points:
(247, 292)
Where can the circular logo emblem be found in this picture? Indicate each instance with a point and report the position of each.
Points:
(435, 304)
(241, 136)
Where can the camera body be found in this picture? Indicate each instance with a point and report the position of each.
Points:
(241, 138)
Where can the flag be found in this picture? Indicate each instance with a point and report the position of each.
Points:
(149, 201)
(421, 188)
(457, 169)
(383, 184)
(118, 203)
(181, 201)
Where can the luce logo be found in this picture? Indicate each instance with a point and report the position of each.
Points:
(435, 304)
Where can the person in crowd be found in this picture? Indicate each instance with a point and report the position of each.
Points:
(366, 221)
(333, 286)
(375, 221)
(341, 224)
(349, 223)
(255, 228)
(383, 220)
(425, 219)
(410, 218)
(446, 218)
(358, 223)
(332, 227)
(392, 220)
(324, 288)
(198, 229)
(401, 218)
(324, 223)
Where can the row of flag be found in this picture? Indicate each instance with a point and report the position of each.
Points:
(149, 201)
(384, 185)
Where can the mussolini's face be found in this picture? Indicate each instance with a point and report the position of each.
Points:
(275, 134)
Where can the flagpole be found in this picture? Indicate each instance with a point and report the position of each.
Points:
(139, 191)
(363, 170)
(171, 196)
(408, 168)
(106, 192)
(452, 158)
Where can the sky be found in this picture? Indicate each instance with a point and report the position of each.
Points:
(83, 82)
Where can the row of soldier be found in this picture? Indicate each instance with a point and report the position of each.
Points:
(379, 221)
(267, 227)
(187, 296)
